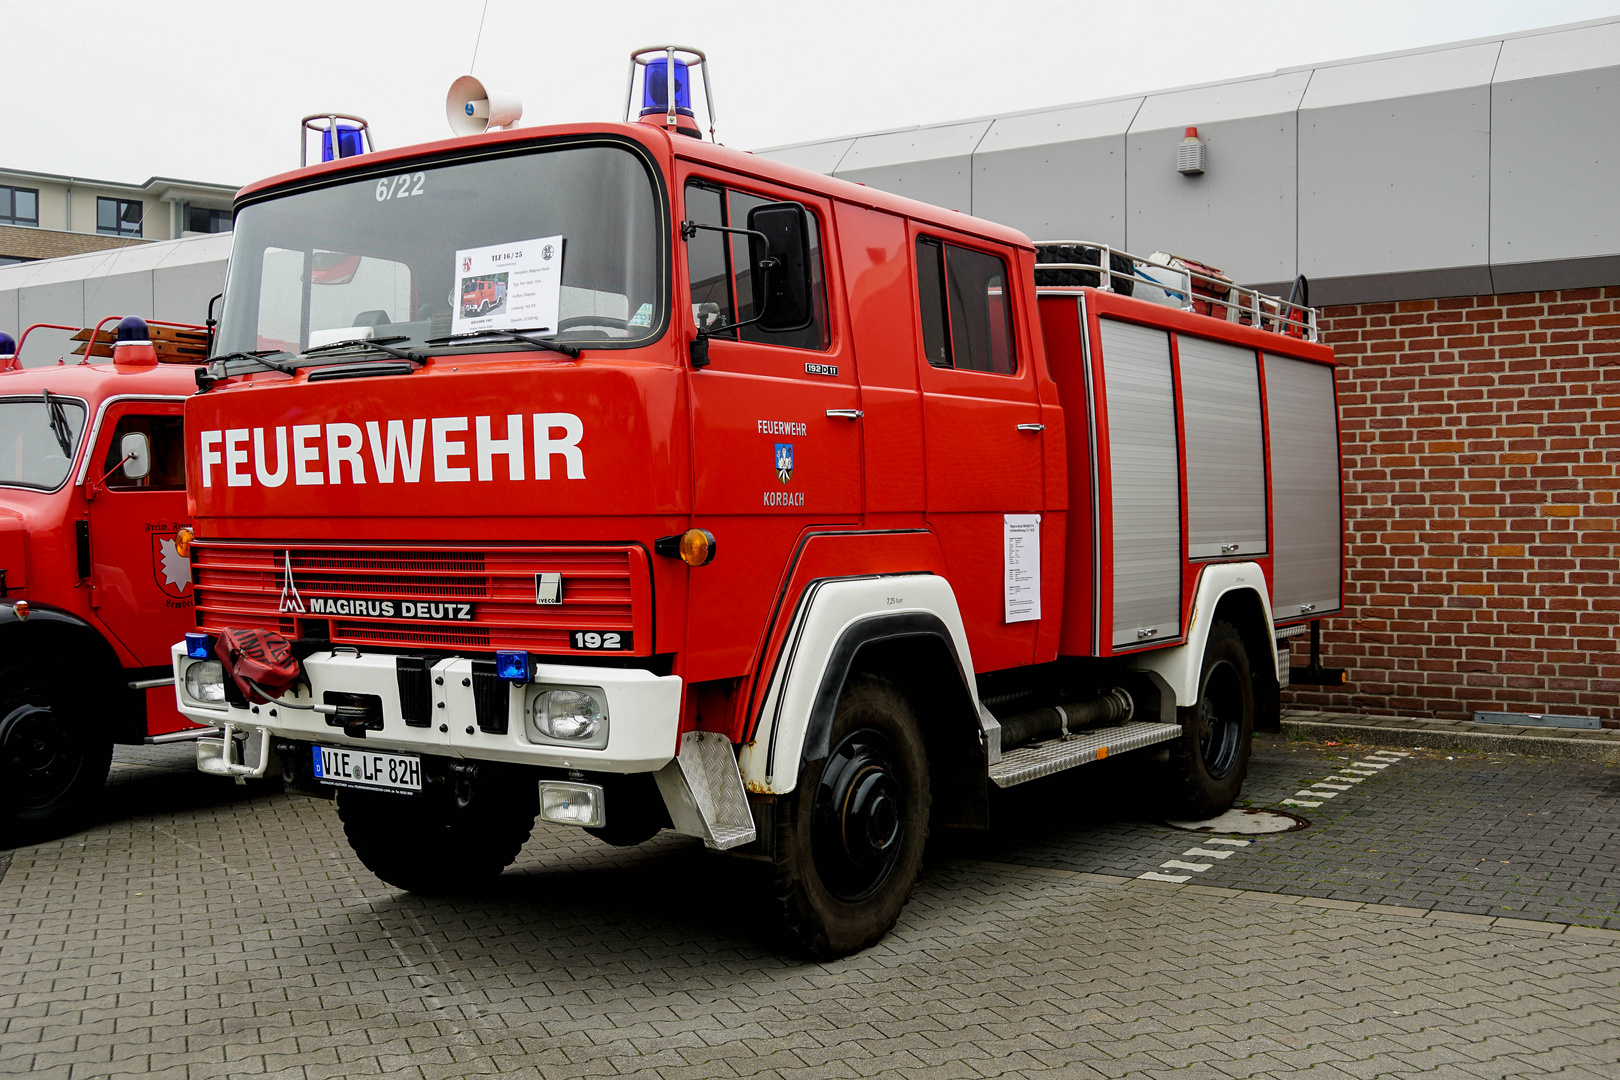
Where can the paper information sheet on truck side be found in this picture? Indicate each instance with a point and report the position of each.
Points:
(1021, 579)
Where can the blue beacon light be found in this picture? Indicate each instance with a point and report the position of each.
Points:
(512, 666)
(655, 89)
(348, 142)
(199, 647)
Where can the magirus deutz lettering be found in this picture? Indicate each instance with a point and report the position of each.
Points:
(429, 610)
(885, 507)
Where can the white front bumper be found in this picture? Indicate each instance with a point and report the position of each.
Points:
(643, 713)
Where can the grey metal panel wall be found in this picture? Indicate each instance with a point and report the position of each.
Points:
(1555, 153)
(119, 294)
(1394, 167)
(820, 157)
(181, 293)
(1057, 174)
(933, 165)
(1226, 454)
(8, 313)
(1305, 496)
(1240, 215)
(1144, 472)
(59, 302)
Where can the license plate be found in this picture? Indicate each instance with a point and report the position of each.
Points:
(349, 767)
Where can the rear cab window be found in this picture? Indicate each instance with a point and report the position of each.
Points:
(965, 307)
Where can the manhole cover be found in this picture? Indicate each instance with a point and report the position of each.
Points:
(1245, 821)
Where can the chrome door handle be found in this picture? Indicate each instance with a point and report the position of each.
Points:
(1031, 427)
(846, 414)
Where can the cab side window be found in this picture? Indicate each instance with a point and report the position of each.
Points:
(718, 263)
(965, 308)
(165, 434)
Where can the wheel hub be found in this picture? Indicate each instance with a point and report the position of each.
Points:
(1220, 719)
(858, 816)
(38, 755)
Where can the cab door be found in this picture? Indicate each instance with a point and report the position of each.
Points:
(984, 435)
(776, 435)
(140, 586)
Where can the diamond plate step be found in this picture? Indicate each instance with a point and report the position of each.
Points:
(1054, 755)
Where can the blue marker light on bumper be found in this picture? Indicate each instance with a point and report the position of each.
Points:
(199, 647)
(512, 666)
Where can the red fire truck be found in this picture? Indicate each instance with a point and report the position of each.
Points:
(794, 516)
(92, 588)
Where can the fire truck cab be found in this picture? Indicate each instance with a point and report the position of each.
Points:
(93, 589)
(783, 512)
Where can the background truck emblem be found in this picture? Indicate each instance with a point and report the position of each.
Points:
(290, 600)
(172, 569)
(784, 461)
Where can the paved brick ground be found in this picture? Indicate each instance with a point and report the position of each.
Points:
(1521, 837)
(202, 931)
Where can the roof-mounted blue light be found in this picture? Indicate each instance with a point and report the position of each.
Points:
(199, 646)
(133, 328)
(8, 345)
(655, 88)
(349, 142)
(512, 666)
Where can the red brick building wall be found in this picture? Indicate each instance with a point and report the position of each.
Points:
(1481, 443)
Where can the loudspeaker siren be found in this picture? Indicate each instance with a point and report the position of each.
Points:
(471, 108)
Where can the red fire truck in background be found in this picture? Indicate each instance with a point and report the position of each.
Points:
(93, 591)
(783, 512)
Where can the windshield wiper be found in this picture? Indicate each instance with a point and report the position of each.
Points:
(262, 356)
(375, 344)
(570, 351)
(59, 424)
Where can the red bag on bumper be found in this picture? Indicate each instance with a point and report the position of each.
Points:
(257, 656)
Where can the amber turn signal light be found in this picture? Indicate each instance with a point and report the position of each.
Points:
(694, 547)
(182, 541)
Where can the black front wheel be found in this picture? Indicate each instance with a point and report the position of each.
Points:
(54, 756)
(1211, 758)
(850, 837)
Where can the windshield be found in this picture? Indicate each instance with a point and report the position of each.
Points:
(31, 445)
(563, 241)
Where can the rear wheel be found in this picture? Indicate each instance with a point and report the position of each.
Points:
(1211, 758)
(54, 755)
(433, 844)
(850, 838)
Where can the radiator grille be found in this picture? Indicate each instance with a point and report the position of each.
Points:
(605, 588)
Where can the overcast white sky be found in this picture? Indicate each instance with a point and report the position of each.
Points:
(214, 91)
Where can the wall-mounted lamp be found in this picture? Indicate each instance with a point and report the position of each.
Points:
(1190, 155)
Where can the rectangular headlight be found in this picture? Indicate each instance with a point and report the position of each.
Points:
(205, 682)
(570, 803)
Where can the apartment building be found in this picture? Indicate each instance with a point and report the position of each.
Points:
(43, 215)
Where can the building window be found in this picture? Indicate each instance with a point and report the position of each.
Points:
(19, 206)
(202, 219)
(966, 317)
(118, 217)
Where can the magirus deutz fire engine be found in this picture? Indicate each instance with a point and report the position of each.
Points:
(771, 509)
(93, 585)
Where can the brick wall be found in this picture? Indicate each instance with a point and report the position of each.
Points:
(27, 243)
(1481, 442)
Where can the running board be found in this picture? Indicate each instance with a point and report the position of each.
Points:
(1054, 755)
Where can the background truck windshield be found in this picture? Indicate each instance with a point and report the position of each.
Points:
(397, 253)
(31, 445)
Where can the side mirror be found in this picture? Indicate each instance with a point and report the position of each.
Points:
(781, 267)
(136, 451)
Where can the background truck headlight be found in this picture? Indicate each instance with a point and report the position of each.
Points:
(576, 716)
(205, 681)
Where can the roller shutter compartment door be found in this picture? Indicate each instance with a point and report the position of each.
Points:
(1306, 506)
(1226, 452)
(1145, 480)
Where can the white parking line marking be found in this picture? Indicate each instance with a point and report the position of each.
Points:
(1151, 876)
(1318, 794)
(1224, 840)
(1206, 853)
(1347, 779)
(1177, 864)
(1298, 802)
(1373, 764)
(1331, 787)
